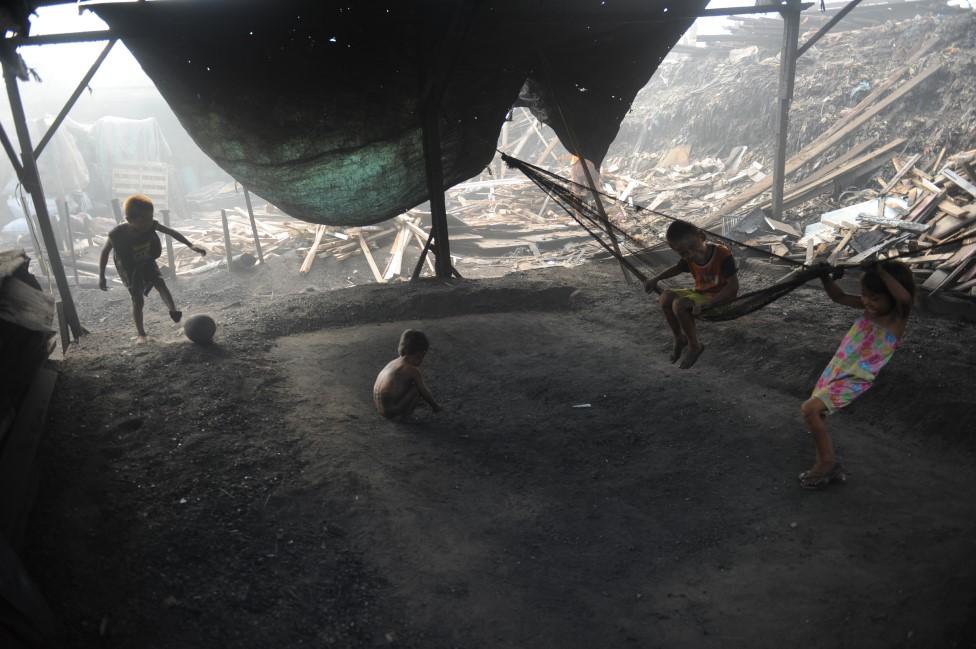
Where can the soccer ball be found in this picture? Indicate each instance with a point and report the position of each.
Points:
(200, 329)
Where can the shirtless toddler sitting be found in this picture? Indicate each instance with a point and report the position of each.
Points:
(399, 386)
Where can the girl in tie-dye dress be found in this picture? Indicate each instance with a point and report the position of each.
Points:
(887, 293)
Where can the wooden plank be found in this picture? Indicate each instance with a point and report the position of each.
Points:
(950, 208)
(897, 224)
(823, 143)
(310, 256)
(961, 255)
(856, 259)
(800, 193)
(395, 264)
(956, 272)
(832, 259)
(377, 275)
(920, 180)
(855, 151)
(925, 259)
(961, 182)
(783, 227)
(909, 165)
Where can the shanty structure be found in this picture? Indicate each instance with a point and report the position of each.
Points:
(348, 115)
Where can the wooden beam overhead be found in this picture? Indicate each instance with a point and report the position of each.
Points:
(55, 39)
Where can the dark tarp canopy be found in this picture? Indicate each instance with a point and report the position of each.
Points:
(315, 104)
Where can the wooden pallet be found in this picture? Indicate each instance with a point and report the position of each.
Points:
(148, 178)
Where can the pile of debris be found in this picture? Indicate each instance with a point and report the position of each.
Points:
(713, 106)
(927, 220)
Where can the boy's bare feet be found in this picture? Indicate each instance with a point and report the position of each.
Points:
(142, 339)
(176, 315)
(822, 474)
(679, 346)
(691, 355)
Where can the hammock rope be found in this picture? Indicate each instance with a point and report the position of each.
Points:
(568, 195)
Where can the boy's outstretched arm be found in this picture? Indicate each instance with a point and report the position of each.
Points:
(102, 263)
(179, 237)
(837, 294)
(425, 393)
(651, 284)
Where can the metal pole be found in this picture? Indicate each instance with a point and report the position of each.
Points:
(63, 213)
(170, 257)
(227, 250)
(32, 182)
(72, 99)
(787, 75)
(9, 148)
(254, 225)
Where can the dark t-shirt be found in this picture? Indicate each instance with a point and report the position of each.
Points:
(133, 249)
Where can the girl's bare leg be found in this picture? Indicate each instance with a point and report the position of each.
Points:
(815, 414)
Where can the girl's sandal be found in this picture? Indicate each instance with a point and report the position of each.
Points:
(818, 480)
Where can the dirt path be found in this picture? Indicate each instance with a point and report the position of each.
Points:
(246, 496)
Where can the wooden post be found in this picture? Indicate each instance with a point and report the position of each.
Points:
(227, 249)
(435, 189)
(68, 235)
(117, 210)
(170, 257)
(787, 75)
(32, 181)
(254, 225)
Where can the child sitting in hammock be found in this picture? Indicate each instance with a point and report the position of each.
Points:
(713, 267)
(887, 293)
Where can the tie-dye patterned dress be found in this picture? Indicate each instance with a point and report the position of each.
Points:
(862, 353)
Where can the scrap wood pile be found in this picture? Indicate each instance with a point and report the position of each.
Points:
(927, 220)
(713, 106)
(351, 242)
(507, 239)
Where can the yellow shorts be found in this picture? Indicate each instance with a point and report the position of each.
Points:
(691, 294)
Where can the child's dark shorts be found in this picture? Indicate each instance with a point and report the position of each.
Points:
(141, 279)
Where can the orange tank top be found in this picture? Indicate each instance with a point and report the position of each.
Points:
(708, 276)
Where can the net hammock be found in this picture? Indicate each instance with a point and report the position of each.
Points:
(629, 246)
